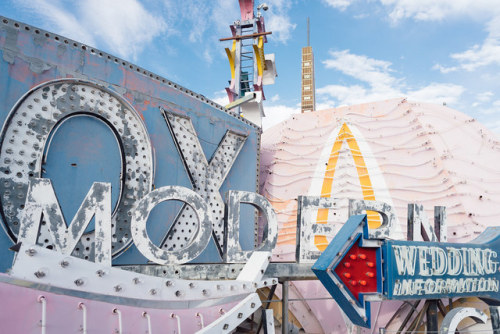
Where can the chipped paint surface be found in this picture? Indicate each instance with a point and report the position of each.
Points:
(385, 212)
(50, 82)
(26, 134)
(232, 247)
(51, 86)
(41, 200)
(307, 249)
(206, 178)
(43, 266)
(202, 228)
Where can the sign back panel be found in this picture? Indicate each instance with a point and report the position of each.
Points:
(78, 115)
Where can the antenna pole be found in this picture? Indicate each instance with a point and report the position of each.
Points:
(308, 31)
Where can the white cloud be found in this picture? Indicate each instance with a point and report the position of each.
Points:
(276, 114)
(223, 13)
(491, 109)
(339, 4)
(326, 104)
(480, 55)
(376, 74)
(220, 97)
(278, 21)
(377, 82)
(487, 11)
(432, 10)
(372, 71)
(494, 125)
(275, 98)
(445, 69)
(125, 27)
(64, 22)
(437, 93)
(484, 97)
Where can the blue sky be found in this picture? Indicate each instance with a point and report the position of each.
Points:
(365, 50)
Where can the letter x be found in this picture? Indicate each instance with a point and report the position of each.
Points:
(206, 177)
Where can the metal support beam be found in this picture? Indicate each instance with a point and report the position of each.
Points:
(495, 319)
(413, 309)
(239, 37)
(281, 270)
(268, 317)
(268, 303)
(432, 319)
(284, 310)
(240, 101)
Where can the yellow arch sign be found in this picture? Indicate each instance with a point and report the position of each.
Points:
(346, 135)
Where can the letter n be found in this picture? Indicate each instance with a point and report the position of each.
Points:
(41, 200)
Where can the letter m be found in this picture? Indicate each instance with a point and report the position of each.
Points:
(41, 201)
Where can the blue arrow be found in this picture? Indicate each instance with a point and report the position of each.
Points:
(405, 270)
(344, 282)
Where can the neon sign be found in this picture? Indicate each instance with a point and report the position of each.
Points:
(359, 267)
(46, 107)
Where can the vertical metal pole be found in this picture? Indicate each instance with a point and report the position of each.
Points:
(284, 310)
(410, 222)
(268, 317)
(440, 226)
(440, 231)
(495, 319)
(432, 319)
(308, 31)
(270, 297)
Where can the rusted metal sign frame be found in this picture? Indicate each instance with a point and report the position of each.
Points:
(25, 64)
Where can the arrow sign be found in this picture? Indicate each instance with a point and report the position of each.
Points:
(350, 269)
(355, 269)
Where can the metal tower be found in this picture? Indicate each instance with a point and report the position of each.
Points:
(308, 89)
(250, 67)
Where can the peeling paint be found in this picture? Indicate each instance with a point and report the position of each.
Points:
(42, 200)
(232, 248)
(206, 176)
(181, 254)
(45, 108)
(386, 228)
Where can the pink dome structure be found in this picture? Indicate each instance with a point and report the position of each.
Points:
(393, 151)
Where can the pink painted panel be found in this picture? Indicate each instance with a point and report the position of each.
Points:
(246, 8)
(20, 312)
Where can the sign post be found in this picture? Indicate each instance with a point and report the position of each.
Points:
(357, 269)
